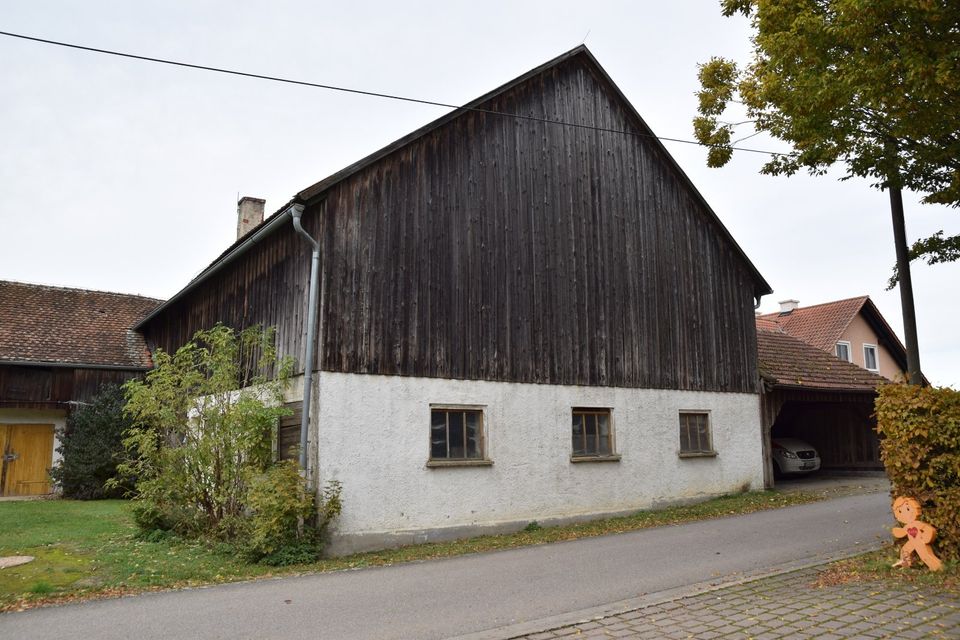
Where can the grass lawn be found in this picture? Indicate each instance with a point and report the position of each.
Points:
(90, 549)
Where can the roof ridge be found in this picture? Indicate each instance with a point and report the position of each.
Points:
(821, 304)
(39, 285)
(318, 187)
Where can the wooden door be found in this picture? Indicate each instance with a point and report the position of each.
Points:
(27, 453)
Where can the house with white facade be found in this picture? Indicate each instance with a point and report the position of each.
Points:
(525, 311)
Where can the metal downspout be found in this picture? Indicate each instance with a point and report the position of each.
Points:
(308, 357)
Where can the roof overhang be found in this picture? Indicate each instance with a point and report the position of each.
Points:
(803, 387)
(72, 365)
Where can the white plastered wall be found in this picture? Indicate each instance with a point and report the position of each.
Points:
(373, 437)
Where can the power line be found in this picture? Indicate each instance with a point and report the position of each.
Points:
(361, 92)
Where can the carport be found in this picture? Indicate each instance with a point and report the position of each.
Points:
(811, 395)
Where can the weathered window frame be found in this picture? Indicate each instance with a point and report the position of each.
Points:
(699, 450)
(481, 460)
(611, 455)
(876, 357)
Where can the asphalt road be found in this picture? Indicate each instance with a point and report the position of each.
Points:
(444, 598)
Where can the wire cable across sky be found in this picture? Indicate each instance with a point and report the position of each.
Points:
(374, 94)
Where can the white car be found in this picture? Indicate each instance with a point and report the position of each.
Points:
(791, 455)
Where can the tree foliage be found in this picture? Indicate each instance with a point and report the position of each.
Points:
(91, 447)
(871, 84)
(933, 250)
(203, 425)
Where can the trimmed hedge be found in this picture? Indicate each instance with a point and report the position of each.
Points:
(919, 431)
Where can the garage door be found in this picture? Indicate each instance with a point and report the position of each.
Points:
(27, 455)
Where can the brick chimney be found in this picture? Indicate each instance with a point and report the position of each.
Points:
(786, 306)
(249, 214)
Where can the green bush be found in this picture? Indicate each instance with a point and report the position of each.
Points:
(91, 447)
(203, 423)
(286, 523)
(919, 431)
(201, 451)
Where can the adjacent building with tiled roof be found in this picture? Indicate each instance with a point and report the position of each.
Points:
(58, 347)
(785, 361)
(852, 329)
(811, 394)
(41, 324)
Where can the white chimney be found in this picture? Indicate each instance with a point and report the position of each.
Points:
(249, 214)
(786, 306)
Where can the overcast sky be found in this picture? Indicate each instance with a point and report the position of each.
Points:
(123, 175)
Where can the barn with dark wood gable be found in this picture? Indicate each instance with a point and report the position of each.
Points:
(518, 319)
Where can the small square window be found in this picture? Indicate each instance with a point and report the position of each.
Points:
(843, 351)
(870, 357)
(592, 433)
(695, 433)
(456, 434)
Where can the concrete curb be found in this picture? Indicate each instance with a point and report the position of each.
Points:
(550, 623)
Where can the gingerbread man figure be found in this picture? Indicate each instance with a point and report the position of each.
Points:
(919, 535)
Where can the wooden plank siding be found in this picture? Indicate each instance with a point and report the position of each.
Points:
(267, 286)
(495, 248)
(34, 387)
(288, 432)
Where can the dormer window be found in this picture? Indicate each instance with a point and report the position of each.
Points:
(843, 351)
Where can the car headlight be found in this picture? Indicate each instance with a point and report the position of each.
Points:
(789, 454)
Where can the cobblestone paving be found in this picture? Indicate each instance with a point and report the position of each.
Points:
(787, 606)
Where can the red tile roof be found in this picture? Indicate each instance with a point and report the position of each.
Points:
(786, 361)
(820, 325)
(766, 324)
(56, 325)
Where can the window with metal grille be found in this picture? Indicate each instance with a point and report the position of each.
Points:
(456, 434)
(592, 433)
(695, 433)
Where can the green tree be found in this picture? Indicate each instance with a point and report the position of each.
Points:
(203, 425)
(91, 447)
(871, 84)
